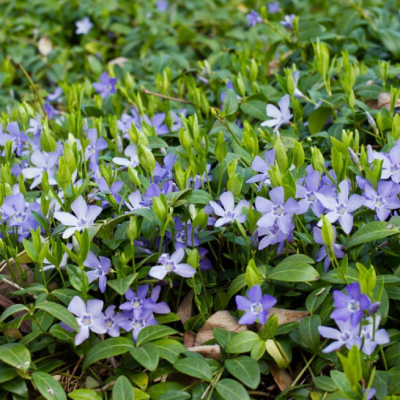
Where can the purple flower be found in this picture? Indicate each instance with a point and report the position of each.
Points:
(113, 321)
(253, 18)
(36, 130)
(279, 115)
(19, 215)
(391, 162)
(43, 162)
(323, 251)
(277, 211)
(262, 166)
(165, 172)
(171, 264)
(273, 235)
(154, 191)
(342, 207)
(382, 200)
(131, 152)
(95, 146)
(137, 323)
(256, 306)
(157, 122)
(84, 217)
(84, 26)
(229, 85)
(288, 21)
(370, 394)
(274, 7)
(17, 137)
(199, 180)
(89, 318)
(348, 336)
(106, 86)
(137, 301)
(372, 336)
(51, 112)
(126, 121)
(135, 201)
(113, 191)
(352, 306)
(161, 307)
(54, 96)
(162, 5)
(229, 213)
(183, 235)
(205, 264)
(63, 262)
(297, 92)
(100, 269)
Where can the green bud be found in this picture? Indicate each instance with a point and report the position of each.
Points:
(46, 139)
(146, 158)
(234, 184)
(221, 149)
(317, 160)
(133, 229)
(112, 124)
(252, 274)
(194, 259)
(253, 70)
(241, 85)
(328, 235)
(160, 208)
(280, 155)
(64, 174)
(134, 177)
(298, 155)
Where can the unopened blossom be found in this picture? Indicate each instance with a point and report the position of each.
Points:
(96, 145)
(256, 305)
(106, 86)
(113, 321)
(288, 21)
(322, 253)
(228, 212)
(277, 211)
(308, 191)
(262, 166)
(83, 26)
(383, 200)
(372, 335)
(347, 335)
(340, 208)
(351, 306)
(131, 152)
(172, 264)
(280, 116)
(84, 217)
(100, 267)
(89, 317)
(253, 18)
(297, 92)
(137, 300)
(137, 323)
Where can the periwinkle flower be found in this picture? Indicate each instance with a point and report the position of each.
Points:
(288, 21)
(229, 213)
(106, 86)
(273, 235)
(274, 7)
(391, 162)
(162, 173)
(342, 207)
(382, 200)
(100, 267)
(137, 322)
(160, 307)
(113, 190)
(113, 321)
(205, 264)
(253, 18)
(371, 393)
(162, 5)
(131, 152)
(297, 92)
(256, 305)
(135, 201)
(95, 145)
(172, 264)
(17, 137)
(372, 335)
(262, 166)
(183, 235)
(279, 115)
(83, 26)
(347, 335)
(322, 253)
(229, 86)
(89, 317)
(137, 300)
(54, 96)
(277, 211)
(350, 307)
(84, 217)
(35, 127)
(51, 112)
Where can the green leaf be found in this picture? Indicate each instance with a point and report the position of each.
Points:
(199, 197)
(229, 389)
(48, 387)
(170, 349)
(245, 369)
(85, 394)
(318, 118)
(122, 285)
(109, 348)
(11, 310)
(146, 355)
(156, 391)
(175, 395)
(255, 108)
(7, 372)
(324, 383)
(231, 103)
(370, 232)
(242, 342)
(154, 332)
(123, 389)
(295, 268)
(15, 355)
(308, 331)
(238, 283)
(60, 312)
(196, 367)
(391, 40)
(316, 298)
(222, 336)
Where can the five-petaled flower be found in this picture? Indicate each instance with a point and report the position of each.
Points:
(229, 213)
(279, 115)
(106, 86)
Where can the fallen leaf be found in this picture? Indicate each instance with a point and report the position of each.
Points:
(44, 46)
(212, 351)
(281, 376)
(185, 310)
(384, 101)
(120, 61)
(285, 316)
(188, 339)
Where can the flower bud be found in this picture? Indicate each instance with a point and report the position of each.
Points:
(120, 146)
(254, 241)
(373, 308)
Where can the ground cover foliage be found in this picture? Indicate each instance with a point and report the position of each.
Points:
(199, 200)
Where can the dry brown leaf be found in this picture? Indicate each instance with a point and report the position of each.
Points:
(185, 310)
(212, 351)
(120, 61)
(13, 333)
(281, 376)
(6, 288)
(188, 339)
(285, 316)
(221, 319)
(384, 101)
(45, 46)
